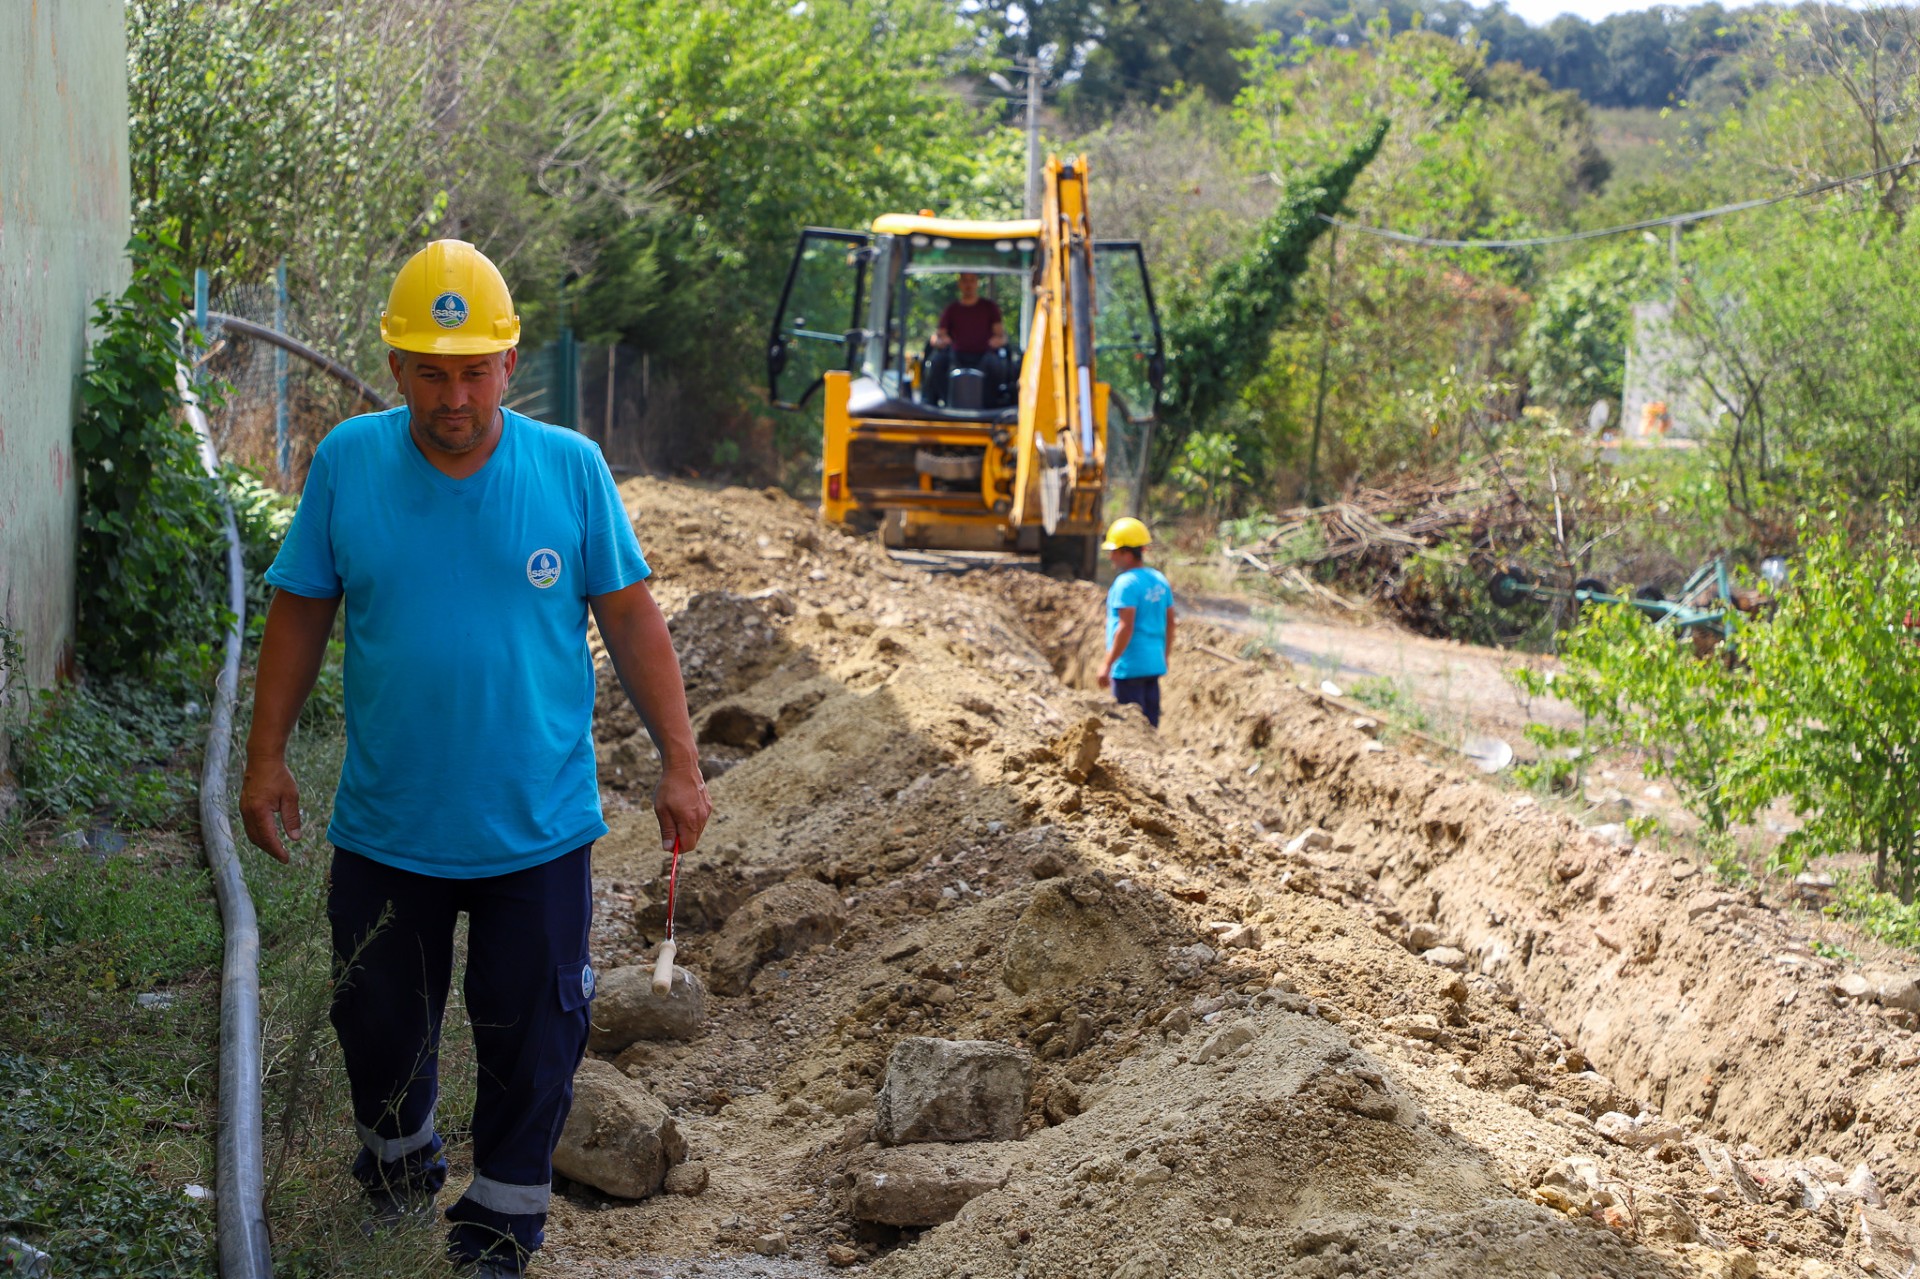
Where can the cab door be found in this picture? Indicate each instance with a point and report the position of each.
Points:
(1128, 344)
(817, 326)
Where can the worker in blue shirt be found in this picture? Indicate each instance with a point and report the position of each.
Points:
(1140, 620)
(468, 545)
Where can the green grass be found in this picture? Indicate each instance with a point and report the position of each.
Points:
(108, 1110)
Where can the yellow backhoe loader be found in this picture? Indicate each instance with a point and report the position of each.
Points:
(944, 448)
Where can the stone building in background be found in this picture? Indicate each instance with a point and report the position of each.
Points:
(64, 223)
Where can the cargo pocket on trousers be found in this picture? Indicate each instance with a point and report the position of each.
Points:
(576, 983)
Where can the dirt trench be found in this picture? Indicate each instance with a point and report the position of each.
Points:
(1241, 1068)
(1710, 1004)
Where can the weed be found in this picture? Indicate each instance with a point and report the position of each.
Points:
(106, 752)
(1828, 950)
(1394, 699)
(1558, 767)
(1643, 826)
(1881, 915)
(65, 1189)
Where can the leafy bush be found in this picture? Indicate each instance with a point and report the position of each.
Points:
(1641, 688)
(150, 570)
(104, 752)
(1822, 707)
(1835, 686)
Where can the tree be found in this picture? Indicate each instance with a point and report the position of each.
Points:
(1219, 337)
(1149, 49)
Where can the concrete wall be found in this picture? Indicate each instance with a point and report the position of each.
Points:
(64, 224)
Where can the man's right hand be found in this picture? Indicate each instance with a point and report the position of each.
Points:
(269, 792)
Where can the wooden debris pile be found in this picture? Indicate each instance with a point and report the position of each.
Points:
(1363, 543)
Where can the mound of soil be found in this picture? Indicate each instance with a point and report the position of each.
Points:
(1297, 1003)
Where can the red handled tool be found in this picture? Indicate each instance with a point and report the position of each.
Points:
(663, 966)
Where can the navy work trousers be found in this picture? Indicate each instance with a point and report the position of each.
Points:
(1142, 691)
(528, 988)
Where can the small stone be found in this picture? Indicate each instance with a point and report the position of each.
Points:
(1423, 1026)
(1224, 1042)
(1682, 869)
(1241, 937)
(1367, 725)
(686, 1179)
(1616, 834)
(1313, 839)
(1422, 937)
(838, 1254)
(1046, 864)
(851, 1101)
(1446, 957)
(1854, 986)
(772, 1244)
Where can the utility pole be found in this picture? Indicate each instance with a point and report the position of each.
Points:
(1032, 67)
(1312, 496)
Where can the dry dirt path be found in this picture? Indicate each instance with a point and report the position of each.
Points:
(1298, 1005)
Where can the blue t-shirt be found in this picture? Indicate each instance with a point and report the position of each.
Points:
(1148, 593)
(469, 686)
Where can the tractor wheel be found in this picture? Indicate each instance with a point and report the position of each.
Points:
(1509, 586)
(1650, 593)
(1593, 586)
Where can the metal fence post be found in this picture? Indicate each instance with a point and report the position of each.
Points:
(566, 380)
(280, 442)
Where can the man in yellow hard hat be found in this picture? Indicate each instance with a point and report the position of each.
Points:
(469, 544)
(1140, 620)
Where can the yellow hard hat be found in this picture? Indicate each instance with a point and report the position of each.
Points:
(450, 299)
(1126, 531)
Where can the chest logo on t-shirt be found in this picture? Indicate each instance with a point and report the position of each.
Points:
(543, 567)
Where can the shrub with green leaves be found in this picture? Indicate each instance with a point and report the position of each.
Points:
(151, 574)
(1638, 686)
(1822, 707)
(1835, 686)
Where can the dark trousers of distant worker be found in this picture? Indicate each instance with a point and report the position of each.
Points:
(528, 992)
(1142, 691)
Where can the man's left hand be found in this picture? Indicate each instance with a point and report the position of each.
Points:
(680, 802)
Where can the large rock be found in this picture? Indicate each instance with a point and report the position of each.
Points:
(785, 920)
(625, 1008)
(921, 1185)
(952, 1090)
(618, 1138)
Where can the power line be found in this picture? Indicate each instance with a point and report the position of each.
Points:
(1671, 220)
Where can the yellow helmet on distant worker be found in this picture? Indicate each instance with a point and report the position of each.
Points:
(450, 299)
(1128, 532)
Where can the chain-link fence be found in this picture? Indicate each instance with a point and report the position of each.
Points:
(278, 405)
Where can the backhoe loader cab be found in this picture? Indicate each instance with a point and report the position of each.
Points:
(1003, 449)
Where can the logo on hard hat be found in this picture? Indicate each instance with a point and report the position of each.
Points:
(449, 310)
(543, 568)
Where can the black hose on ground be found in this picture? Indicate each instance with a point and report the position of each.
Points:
(240, 1183)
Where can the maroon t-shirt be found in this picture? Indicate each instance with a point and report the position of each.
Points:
(970, 327)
